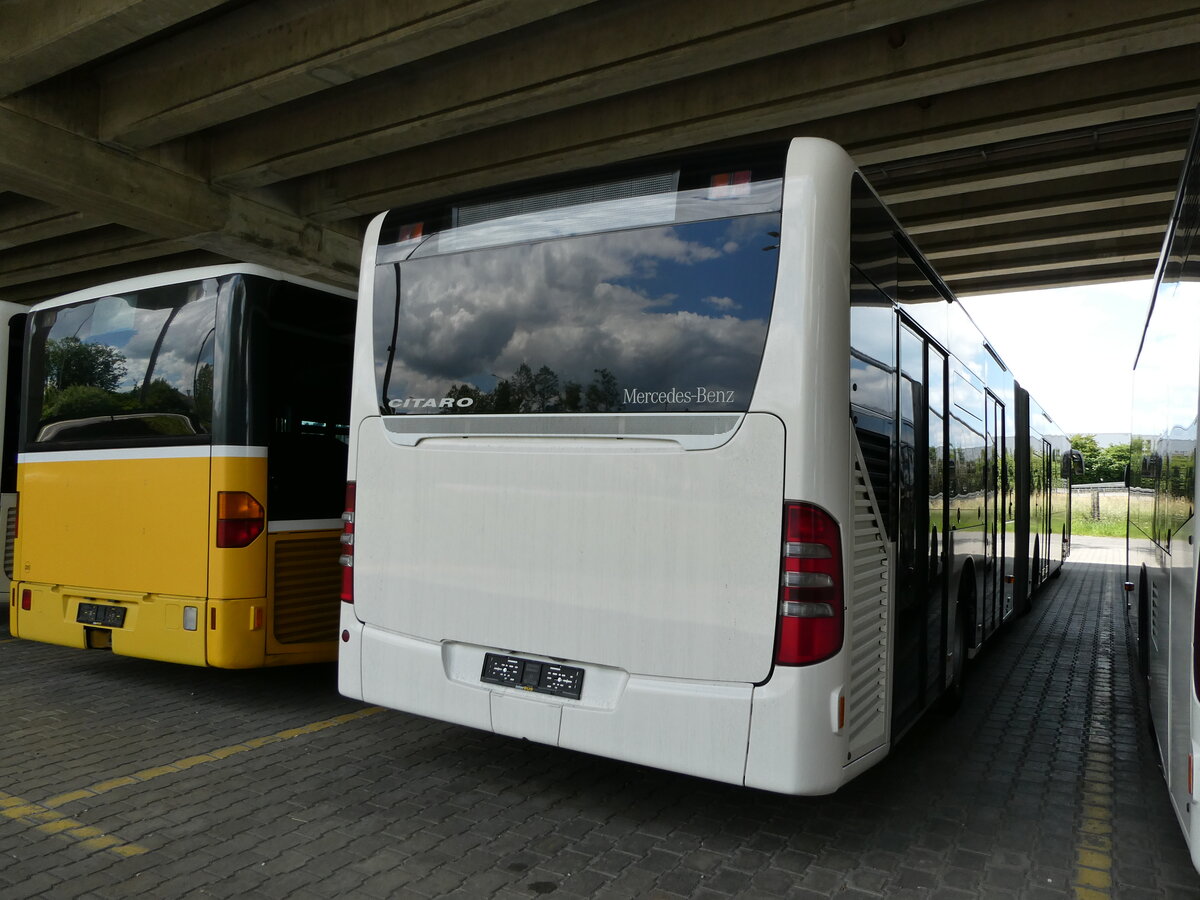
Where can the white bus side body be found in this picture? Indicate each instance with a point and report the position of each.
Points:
(1163, 560)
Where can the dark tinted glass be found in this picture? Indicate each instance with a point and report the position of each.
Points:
(124, 369)
(659, 318)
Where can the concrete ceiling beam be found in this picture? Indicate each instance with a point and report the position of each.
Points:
(1002, 178)
(955, 51)
(1035, 201)
(1017, 237)
(109, 245)
(530, 76)
(43, 38)
(58, 285)
(265, 54)
(66, 170)
(25, 221)
(1100, 272)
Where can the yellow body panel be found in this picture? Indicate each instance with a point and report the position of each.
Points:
(141, 534)
(139, 525)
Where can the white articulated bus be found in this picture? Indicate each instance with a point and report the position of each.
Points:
(693, 464)
(1162, 555)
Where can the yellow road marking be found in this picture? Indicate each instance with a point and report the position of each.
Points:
(47, 821)
(1093, 847)
(181, 765)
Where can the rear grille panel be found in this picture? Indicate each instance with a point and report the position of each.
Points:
(307, 582)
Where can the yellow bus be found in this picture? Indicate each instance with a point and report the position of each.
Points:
(181, 468)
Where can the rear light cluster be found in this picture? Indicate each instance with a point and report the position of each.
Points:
(240, 519)
(811, 609)
(347, 557)
(1195, 639)
(729, 184)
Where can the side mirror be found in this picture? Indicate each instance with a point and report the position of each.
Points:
(1072, 464)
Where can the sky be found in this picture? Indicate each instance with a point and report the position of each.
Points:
(1071, 348)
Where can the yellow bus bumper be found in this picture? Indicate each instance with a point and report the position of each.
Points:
(190, 630)
(227, 634)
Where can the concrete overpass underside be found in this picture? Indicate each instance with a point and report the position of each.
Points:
(1023, 143)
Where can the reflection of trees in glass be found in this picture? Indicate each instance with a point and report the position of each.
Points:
(71, 362)
(159, 396)
(526, 391)
(80, 401)
(1101, 464)
(82, 381)
(203, 397)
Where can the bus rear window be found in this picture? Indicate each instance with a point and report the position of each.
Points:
(130, 369)
(664, 318)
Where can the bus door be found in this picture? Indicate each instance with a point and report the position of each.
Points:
(920, 602)
(305, 352)
(1046, 511)
(993, 581)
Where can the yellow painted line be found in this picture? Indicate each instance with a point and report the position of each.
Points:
(47, 821)
(1093, 878)
(181, 765)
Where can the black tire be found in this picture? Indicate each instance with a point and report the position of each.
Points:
(953, 697)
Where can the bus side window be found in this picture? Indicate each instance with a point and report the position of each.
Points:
(873, 387)
(310, 348)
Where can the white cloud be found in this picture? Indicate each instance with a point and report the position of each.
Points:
(468, 317)
(725, 303)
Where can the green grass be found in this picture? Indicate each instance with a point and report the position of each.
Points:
(1113, 510)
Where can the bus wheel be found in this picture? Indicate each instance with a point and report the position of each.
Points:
(953, 697)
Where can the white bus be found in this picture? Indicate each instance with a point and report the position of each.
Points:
(693, 464)
(1162, 556)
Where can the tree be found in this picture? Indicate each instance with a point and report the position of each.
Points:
(1116, 458)
(1100, 464)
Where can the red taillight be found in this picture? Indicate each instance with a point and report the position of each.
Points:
(26, 599)
(347, 557)
(729, 184)
(810, 595)
(1195, 638)
(240, 519)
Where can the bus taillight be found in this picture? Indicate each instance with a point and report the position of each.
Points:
(347, 557)
(240, 519)
(1195, 640)
(810, 593)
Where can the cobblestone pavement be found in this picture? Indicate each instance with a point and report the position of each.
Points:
(123, 778)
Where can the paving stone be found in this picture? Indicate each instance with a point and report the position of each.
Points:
(986, 803)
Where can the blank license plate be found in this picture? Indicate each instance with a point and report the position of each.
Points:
(533, 675)
(101, 614)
